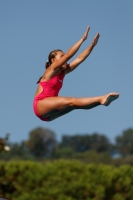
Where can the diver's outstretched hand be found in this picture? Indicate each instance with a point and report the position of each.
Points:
(86, 33)
(95, 40)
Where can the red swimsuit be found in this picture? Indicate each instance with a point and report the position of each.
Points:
(51, 88)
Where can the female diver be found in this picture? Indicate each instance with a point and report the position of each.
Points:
(47, 104)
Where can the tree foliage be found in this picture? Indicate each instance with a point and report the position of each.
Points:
(3, 143)
(67, 180)
(81, 143)
(88, 148)
(41, 142)
(18, 150)
(124, 143)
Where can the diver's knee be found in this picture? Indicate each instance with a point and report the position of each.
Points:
(72, 101)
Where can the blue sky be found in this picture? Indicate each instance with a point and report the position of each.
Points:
(30, 29)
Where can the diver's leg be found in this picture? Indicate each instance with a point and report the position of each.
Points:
(54, 105)
(69, 109)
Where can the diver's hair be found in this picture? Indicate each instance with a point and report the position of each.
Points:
(39, 80)
(51, 55)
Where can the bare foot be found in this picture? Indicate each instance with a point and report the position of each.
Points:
(108, 98)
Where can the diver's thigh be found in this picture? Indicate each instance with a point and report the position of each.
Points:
(53, 104)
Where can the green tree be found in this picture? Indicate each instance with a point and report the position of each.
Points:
(93, 157)
(41, 142)
(64, 152)
(3, 143)
(81, 143)
(124, 143)
(65, 180)
(17, 151)
(99, 143)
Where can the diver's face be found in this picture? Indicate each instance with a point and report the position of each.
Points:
(58, 56)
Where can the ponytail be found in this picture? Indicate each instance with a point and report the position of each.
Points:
(47, 64)
(39, 80)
